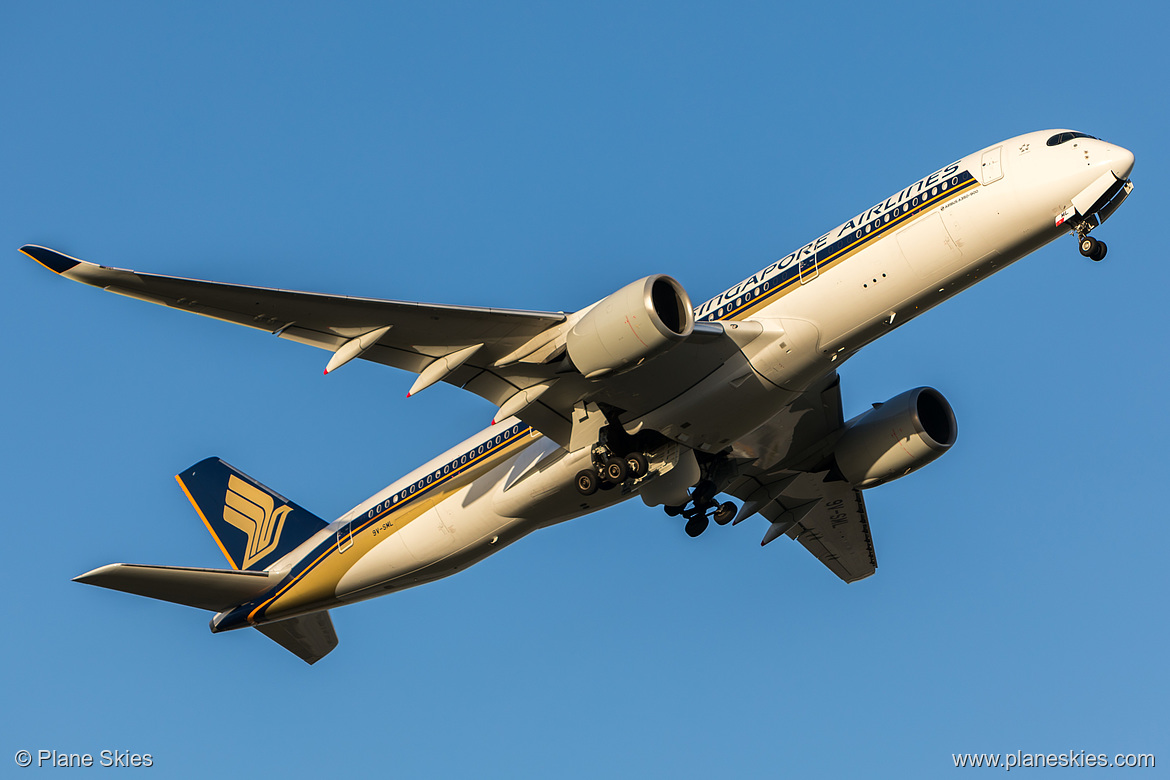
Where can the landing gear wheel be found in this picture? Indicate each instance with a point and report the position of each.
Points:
(614, 471)
(636, 464)
(673, 511)
(697, 525)
(724, 513)
(1089, 246)
(586, 483)
(1099, 255)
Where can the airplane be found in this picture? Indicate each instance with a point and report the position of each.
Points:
(641, 393)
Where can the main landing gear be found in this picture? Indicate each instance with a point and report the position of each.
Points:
(702, 509)
(610, 470)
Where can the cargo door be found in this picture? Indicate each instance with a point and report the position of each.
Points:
(928, 247)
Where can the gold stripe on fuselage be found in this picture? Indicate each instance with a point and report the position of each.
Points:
(318, 582)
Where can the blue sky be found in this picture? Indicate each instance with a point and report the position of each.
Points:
(541, 156)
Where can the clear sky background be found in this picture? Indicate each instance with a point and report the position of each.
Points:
(540, 156)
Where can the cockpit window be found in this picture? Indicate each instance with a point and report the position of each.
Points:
(1060, 138)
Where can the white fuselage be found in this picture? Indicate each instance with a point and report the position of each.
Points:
(799, 318)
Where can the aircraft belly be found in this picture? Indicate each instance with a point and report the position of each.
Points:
(460, 522)
(388, 559)
(727, 404)
(544, 490)
(424, 544)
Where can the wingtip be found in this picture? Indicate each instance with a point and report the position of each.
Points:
(88, 577)
(55, 261)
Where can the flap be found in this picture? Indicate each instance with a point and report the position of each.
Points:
(783, 479)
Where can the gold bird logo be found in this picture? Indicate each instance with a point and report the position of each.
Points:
(253, 512)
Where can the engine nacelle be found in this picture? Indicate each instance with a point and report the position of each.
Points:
(891, 440)
(636, 322)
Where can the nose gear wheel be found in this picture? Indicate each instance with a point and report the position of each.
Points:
(1092, 248)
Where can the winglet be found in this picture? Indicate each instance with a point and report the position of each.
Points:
(54, 261)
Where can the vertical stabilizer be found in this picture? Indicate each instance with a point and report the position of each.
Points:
(253, 525)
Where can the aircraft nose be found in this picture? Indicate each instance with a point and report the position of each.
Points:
(1121, 162)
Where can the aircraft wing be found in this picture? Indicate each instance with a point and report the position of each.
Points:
(418, 332)
(498, 354)
(786, 483)
(828, 518)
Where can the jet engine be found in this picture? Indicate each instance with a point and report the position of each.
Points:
(636, 322)
(897, 437)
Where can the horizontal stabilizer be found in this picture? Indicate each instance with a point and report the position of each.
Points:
(213, 589)
(309, 637)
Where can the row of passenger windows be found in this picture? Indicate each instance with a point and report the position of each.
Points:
(455, 464)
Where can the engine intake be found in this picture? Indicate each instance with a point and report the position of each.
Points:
(636, 322)
(897, 437)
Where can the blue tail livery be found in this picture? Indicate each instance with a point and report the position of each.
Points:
(253, 525)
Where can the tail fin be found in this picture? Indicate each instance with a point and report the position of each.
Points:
(253, 525)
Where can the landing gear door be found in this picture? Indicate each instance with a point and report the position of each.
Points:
(1107, 210)
(992, 167)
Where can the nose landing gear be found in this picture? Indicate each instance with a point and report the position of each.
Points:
(1092, 248)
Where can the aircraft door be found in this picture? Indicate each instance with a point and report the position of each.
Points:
(808, 268)
(345, 537)
(992, 167)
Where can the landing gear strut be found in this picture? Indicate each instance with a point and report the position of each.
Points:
(702, 509)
